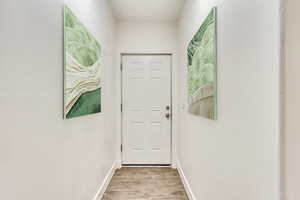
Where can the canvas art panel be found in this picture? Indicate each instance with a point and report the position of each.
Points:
(202, 69)
(82, 74)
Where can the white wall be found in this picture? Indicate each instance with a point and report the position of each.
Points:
(237, 156)
(292, 99)
(147, 37)
(43, 156)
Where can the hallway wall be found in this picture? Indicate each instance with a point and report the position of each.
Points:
(43, 156)
(236, 156)
(292, 99)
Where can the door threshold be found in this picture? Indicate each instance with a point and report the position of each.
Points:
(146, 165)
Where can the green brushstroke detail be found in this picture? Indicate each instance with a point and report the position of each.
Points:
(201, 55)
(88, 103)
(79, 42)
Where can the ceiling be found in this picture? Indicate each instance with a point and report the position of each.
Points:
(147, 10)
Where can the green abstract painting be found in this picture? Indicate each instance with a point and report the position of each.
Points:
(82, 82)
(202, 69)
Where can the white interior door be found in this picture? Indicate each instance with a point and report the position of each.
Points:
(146, 130)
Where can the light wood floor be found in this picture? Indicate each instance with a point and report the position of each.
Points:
(149, 183)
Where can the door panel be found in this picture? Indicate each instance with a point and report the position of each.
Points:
(146, 91)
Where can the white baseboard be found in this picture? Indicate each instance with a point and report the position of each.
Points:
(118, 164)
(106, 182)
(185, 182)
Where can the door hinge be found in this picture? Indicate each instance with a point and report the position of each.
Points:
(121, 67)
(121, 148)
(121, 107)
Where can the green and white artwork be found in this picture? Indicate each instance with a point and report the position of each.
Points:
(82, 82)
(202, 69)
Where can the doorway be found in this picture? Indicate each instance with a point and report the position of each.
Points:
(146, 109)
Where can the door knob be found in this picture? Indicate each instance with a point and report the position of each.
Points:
(167, 107)
(168, 115)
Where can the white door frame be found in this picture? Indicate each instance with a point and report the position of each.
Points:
(174, 122)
